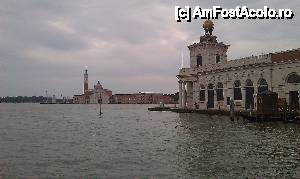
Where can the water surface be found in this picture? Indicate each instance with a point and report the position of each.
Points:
(72, 141)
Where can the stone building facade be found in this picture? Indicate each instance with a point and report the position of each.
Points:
(100, 93)
(212, 80)
(142, 98)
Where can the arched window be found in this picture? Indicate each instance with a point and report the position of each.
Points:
(199, 60)
(237, 91)
(218, 58)
(293, 78)
(202, 93)
(248, 83)
(262, 85)
(210, 86)
(219, 92)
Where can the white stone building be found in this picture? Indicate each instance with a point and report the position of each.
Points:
(212, 80)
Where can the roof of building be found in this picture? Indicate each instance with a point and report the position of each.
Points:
(285, 55)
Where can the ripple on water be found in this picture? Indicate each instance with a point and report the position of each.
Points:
(71, 141)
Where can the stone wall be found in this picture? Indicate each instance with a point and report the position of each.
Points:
(275, 75)
(208, 52)
(238, 63)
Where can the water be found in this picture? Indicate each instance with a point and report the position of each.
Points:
(71, 141)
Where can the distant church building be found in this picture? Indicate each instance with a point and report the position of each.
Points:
(212, 81)
(92, 96)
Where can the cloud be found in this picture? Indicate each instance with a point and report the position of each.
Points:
(128, 46)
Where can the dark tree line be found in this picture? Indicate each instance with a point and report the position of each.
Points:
(23, 99)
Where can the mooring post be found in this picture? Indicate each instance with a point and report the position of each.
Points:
(100, 109)
(231, 109)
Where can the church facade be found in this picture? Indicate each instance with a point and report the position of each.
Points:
(212, 80)
(92, 96)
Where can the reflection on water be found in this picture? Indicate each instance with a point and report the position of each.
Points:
(71, 141)
(216, 147)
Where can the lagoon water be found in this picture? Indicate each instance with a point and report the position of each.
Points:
(72, 141)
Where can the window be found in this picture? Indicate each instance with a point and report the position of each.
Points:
(262, 85)
(293, 78)
(219, 92)
(237, 91)
(199, 60)
(202, 93)
(218, 60)
(248, 83)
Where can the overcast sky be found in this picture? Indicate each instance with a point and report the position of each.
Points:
(129, 46)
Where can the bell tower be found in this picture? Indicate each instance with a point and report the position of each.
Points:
(86, 81)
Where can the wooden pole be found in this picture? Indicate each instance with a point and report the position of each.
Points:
(100, 107)
(100, 111)
(231, 109)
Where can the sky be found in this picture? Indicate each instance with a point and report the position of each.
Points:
(129, 46)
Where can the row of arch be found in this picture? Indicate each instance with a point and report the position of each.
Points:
(237, 92)
(262, 86)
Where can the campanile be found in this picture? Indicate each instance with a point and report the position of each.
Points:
(86, 81)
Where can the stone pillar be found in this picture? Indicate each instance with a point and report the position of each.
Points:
(183, 95)
(216, 103)
(189, 97)
(180, 94)
(255, 97)
(225, 94)
(230, 92)
(281, 91)
(195, 92)
(206, 97)
(243, 89)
